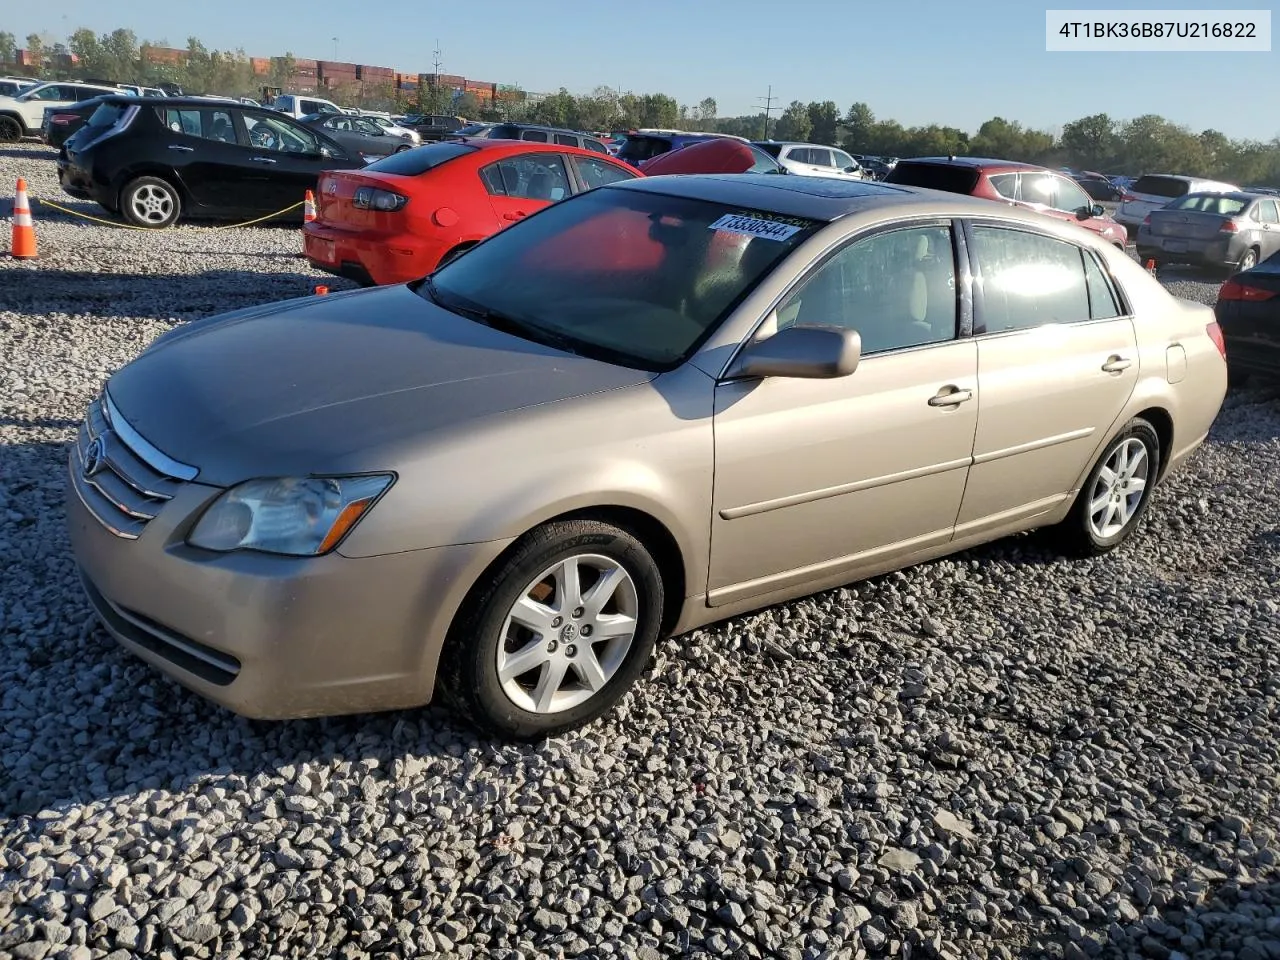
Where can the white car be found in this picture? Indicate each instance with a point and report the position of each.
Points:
(1155, 190)
(299, 106)
(22, 115)
(393, 128)
(813, 159)
(12, 86)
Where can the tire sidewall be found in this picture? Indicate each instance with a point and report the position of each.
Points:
(479, 660)
(1142, 430)
(10, 130)
(1248, 253)
(126, 202)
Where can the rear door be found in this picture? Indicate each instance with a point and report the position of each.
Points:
(525, 183)
(1057, 362)
(1268, 215)
(202, 146)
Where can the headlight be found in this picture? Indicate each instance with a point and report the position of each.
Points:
(297, 517)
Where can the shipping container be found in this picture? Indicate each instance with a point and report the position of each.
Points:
(260, 65)
(305, 64)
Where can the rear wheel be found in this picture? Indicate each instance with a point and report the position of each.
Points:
(1115, 495)
(150, 202)
(403, 147)
(454, 253)
(1248, 261)
(10, 130)
(557, 634)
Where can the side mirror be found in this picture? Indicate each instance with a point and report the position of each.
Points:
(809, 351)
(1099, 210)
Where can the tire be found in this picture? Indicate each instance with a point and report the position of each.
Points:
(1086, 532)
(150, 202)
(1248, 261)
(531, 705)
(403, 148)
(455, 252)
(10, 130)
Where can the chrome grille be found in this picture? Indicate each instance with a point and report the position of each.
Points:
(120, 478)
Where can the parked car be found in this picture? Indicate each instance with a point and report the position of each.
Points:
(298, 106)
(395, 129)
(157, 161)
(359, 136)
(1232, 230)
(874, 167)
(22, 115)
(434, 126)
(715, 155)
(398, 218)
(643, 145)
(61, 123)
(1100, 189)
(1019, 184)
(1152, 191)
(813, 159)
(687, 398)
(1248, 311)
(12, 86)
(533, 133)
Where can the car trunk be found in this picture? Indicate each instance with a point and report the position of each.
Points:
(335, 205)
(1186, 224)
(1248, 307)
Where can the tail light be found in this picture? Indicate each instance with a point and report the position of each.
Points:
(1235, 290)
(1146, 221)
(1127, 198)
(63, 118)
(372, 198)
(1215, 334)
(1228, 226)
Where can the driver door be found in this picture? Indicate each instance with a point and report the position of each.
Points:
(819, 479)
(283, 161)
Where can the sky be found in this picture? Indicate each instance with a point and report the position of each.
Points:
(915, 61)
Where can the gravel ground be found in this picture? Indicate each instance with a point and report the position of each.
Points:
(998, 755)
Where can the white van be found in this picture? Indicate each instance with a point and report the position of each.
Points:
(1152, 191)
(299, 106)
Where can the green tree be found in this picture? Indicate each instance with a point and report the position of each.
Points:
(794, 124)
(1091, 142)
(35, 50)
(282, 68)
(120, 54)
(823, 120)
(860, 128)
(8, 47)
(84, 44)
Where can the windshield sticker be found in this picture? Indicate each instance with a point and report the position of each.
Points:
(754, 227)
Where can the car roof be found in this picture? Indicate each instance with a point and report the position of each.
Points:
(522, 146)
(1230, 195)
(814, 198)
(195, 102)
(980, 163)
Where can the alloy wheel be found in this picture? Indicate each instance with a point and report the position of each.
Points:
(568, 634)
(152, 204)
(1117, 490)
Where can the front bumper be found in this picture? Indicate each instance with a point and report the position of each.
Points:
(377, 258)
(269, 637)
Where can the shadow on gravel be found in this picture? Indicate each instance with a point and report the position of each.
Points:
(38, 423)
(140, 295)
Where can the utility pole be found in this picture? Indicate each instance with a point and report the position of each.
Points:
(767, 105)
(436, 100)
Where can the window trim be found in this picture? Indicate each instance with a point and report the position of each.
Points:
(963, 291)
(975, 272)
(579, 180)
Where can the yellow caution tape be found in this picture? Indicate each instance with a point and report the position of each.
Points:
(129, 226)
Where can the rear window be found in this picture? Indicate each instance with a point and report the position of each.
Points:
(475, 130)
(106, 115)
(412, 163)
(1213, 203)
(772, 149)
(1161, 186)
(935, 176)
(638, 149)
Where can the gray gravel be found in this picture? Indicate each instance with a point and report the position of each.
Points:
(999, 755)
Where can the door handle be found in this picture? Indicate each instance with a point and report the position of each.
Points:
(262, 160)
(178, 146)
(950, 396)
(514, 216)
(1116, 363)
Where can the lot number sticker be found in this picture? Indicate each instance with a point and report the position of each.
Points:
(754, 227)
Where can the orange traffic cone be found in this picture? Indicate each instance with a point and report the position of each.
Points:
(309, 208)
(24, 232)
(1151, 267)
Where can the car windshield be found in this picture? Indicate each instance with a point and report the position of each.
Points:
(1213, 203)
(627, 276)
(637, 149)
(1154, 186)
(935, 176)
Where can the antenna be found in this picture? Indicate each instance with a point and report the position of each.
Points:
(767, 104)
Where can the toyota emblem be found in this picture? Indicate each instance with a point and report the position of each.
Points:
(95, 456)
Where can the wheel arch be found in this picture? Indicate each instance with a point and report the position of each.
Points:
(1162, 422)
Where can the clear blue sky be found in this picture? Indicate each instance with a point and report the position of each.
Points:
(918, 62)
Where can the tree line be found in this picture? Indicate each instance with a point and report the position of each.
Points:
(1144, 144)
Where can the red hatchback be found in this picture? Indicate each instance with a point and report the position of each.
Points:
(399, 218)
(1006, 181)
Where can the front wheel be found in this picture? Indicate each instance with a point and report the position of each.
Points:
(10, 130)
(1116, 493)
(554, 636)
(150, 202)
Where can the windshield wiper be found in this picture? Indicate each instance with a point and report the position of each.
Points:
(498, 320)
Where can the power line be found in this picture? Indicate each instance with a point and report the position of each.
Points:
(767, 104)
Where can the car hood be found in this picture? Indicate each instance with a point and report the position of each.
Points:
(345, 382)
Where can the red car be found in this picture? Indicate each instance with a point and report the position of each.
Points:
(398, 218)
(1006, 181)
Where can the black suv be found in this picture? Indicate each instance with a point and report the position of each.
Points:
(534, 133)
(159, 159)
(433, 126)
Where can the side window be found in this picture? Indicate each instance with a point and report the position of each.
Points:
(218, 126)
(596, 173)
(897, 289)
(268, 133)
(537, 136)
(564, 140)
(1028, 280)
(798, 155)
(183, 121)
(86, 93)
(821, 158)
(1267, 211)
(54, 93)
(843, 160)
(1102, 302)
(1037, 188)
(1005, 184)
(595, 146)
(540, 176)
(1068, 197)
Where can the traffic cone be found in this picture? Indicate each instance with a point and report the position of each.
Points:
(23, 246)
(309, 208)
(1151, 267)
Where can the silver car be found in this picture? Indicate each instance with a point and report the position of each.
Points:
(1235, 231)
(661, 403)
(1152, 191)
